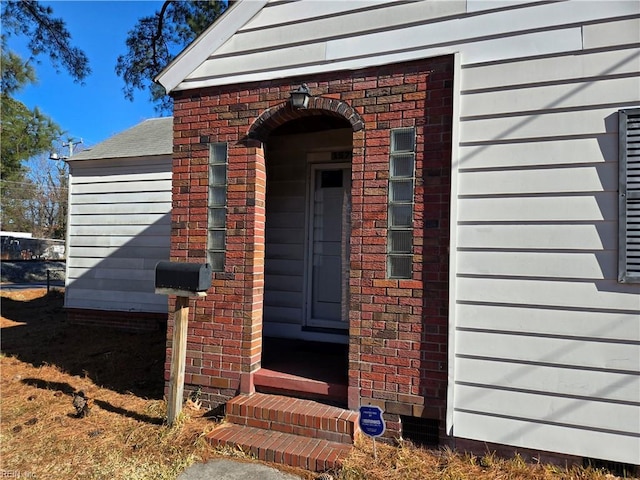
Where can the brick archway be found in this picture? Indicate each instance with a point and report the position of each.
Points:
(398, 328)
(280, 114)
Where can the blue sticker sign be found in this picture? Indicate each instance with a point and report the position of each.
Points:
(371, 421)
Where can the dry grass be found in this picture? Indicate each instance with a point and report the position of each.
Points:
(44, 360)
(410, 462)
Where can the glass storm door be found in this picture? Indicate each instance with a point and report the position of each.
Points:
(329, 232)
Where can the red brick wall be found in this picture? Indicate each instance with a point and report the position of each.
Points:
(127, 321)
(398, 328)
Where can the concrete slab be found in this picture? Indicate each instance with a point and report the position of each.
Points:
(225, 469)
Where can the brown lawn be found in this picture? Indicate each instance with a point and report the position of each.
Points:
(44, 361)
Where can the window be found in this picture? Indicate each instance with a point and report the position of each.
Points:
(629, 196)
(400, 203)
(217, 206)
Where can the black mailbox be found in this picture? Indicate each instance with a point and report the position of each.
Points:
(188, 277)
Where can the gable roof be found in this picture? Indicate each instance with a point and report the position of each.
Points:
(151, 137)
(209, 41)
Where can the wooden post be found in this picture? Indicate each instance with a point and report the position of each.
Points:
(178, 359)
(184, 280)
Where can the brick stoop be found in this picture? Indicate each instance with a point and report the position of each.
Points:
(292, 431)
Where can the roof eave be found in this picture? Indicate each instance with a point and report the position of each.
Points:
(208, 42)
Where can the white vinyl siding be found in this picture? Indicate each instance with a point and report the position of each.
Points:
(629, 195)
(295, 39)
(285, 235)
(119, 228)
(536, 292)
(545, 340)
(288, 170)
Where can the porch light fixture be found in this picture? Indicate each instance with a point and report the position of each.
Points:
(300, 97)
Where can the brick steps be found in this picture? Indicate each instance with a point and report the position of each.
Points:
(296, 432)
(312, 454)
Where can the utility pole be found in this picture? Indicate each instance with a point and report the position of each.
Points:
(71, 143)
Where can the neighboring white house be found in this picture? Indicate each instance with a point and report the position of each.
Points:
(119, 227)
(544, 339)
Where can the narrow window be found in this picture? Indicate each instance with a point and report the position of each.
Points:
(400, 208)
(629, 196)
(217, 203)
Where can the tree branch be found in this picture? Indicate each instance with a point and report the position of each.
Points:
(158, 35)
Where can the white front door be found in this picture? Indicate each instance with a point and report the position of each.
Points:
(329, 231)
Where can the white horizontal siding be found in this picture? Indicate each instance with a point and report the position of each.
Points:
(480, 5)
(87, 218)
(539, 151)
(93, 172)
(129, 208)
(539, 181)
(126, 251)
(578, 95)
(156, 229)
(112, 263)
(283, 41)
(310, 58)
(529, 432)
(612, 34)
(569, 69)
(553, 380)
(112, 240)
(476, 49)
(544, 408)
(544, 125)
(568, 265)
(558, 293)
(570, 208)
(285, 234)
(275, 14)
(119, 228)
(82, 190)
(303, 26)
(564, 352)
(113, 274)
(571, 322)
(545, 342)
(121, 198)
(541, 237)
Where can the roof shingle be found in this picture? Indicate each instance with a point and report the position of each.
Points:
(151, 137)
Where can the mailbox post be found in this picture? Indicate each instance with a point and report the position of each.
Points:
(185, 280)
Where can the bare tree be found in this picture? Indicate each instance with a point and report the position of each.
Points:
(38, 203)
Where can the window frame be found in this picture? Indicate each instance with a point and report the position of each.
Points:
(216, 253)
(396, 230)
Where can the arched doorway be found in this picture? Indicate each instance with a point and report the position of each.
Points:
(307, 243)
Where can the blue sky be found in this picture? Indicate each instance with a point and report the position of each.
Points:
(96, 110)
